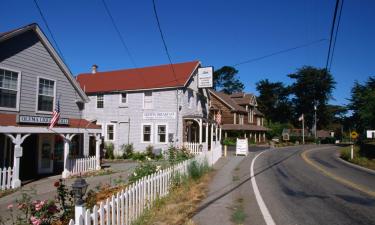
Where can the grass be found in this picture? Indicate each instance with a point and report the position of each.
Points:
(180, 205)
(4, 193)
(238, 214)
(357, 159)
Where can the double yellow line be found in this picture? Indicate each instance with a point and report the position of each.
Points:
(334, 177)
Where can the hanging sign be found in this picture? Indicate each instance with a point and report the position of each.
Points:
(242, 147)
(159, 115)
(205, 77)
(40, 120)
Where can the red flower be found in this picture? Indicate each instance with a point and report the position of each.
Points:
(56, 184)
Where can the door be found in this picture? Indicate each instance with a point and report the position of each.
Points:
(46, 149)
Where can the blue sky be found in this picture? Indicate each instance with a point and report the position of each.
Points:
(215, 32)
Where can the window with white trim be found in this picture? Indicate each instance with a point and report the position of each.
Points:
(99, 101)
(147, 100)
(162, 132)
(110, 132)
(146, 133)
(9, 89)
(124, 98)
(46, 95)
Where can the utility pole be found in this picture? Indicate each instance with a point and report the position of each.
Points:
(315, 120)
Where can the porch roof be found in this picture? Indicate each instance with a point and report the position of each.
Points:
(8, 121)
(247, 127)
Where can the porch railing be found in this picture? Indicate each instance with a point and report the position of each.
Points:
(81, 165)
(193, 147)
(6, 178)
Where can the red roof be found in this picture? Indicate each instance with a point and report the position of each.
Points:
(11, 120)
(138, 79)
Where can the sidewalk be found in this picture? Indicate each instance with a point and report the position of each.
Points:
(45, 190)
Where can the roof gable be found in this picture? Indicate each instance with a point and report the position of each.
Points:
(227, 100)
(153, 77)
(43, 39)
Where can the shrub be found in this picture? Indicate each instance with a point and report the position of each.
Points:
(127, 151)
(139, 156)
(143, 170)
(229, 141)
(109, 150)
(328, 140)
(196, 170)
(150, 151)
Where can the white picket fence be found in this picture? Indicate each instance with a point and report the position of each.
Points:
(128, 205)
(6, 178)
(81, 165)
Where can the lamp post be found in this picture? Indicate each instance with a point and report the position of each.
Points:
(79, 189)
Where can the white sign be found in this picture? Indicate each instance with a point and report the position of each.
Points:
(242, 147)
(159, 115)
(40, 120)
(370, 134)
(205, 76)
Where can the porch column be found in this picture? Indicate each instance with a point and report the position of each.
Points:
(255, 137)
(67, 139)
(220, 134)
(212, 134)
(226, 134)
(18, 151)
(245, 135)
(207, 136)
(200, 130)
(264, 136)
(259, 136)
(97, 150)
(216, 134)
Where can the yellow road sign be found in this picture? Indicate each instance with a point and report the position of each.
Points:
(354, 135)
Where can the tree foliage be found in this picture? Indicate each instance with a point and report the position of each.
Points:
(312, 86)
(362, 103)
(225, 80)
(273, 101)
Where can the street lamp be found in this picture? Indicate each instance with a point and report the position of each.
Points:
(79, 189)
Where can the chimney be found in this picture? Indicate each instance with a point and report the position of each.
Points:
(94, 69)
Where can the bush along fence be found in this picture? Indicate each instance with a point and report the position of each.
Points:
(128, 205)
(6, 178)
(82, 165)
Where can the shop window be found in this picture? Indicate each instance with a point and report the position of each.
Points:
(46, 95)
(146, 133)
(99, 101)
(9, 89)
(162, 133)
(110, 132)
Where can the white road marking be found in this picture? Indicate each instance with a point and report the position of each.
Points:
(263, 208)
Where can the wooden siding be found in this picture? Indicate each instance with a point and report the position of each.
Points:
(27, 54)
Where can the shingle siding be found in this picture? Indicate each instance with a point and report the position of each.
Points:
(25, 53)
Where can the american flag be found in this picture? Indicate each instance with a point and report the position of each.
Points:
(55, 115)
(218, 118)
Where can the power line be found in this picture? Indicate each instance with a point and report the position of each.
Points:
(331, 35)
(49, 30)
(280, 52)
(119, 34)
(337, 30)
(162, 38)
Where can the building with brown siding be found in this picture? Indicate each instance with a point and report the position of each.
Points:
(239, 114)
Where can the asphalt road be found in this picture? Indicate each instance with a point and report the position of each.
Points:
(296, 192)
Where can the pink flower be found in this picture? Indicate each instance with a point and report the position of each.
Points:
(10, 206)
(21, 206)
(35, 221)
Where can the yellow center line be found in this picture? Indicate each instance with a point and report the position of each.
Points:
(334, 177)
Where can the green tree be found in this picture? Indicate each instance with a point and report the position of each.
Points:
(312, 86)
(225, 80)
(273, 101)
(362, 103)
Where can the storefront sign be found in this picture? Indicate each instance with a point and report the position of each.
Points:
(159, 115)
(242, 147)
(40, 120)
(205, 75)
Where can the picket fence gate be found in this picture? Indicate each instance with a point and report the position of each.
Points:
(128, 205)
(81, 165)
(193, 147)
(6, 178)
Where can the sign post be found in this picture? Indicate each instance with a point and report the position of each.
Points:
(354, 136)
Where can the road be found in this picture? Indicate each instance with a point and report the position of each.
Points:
(296, 187)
